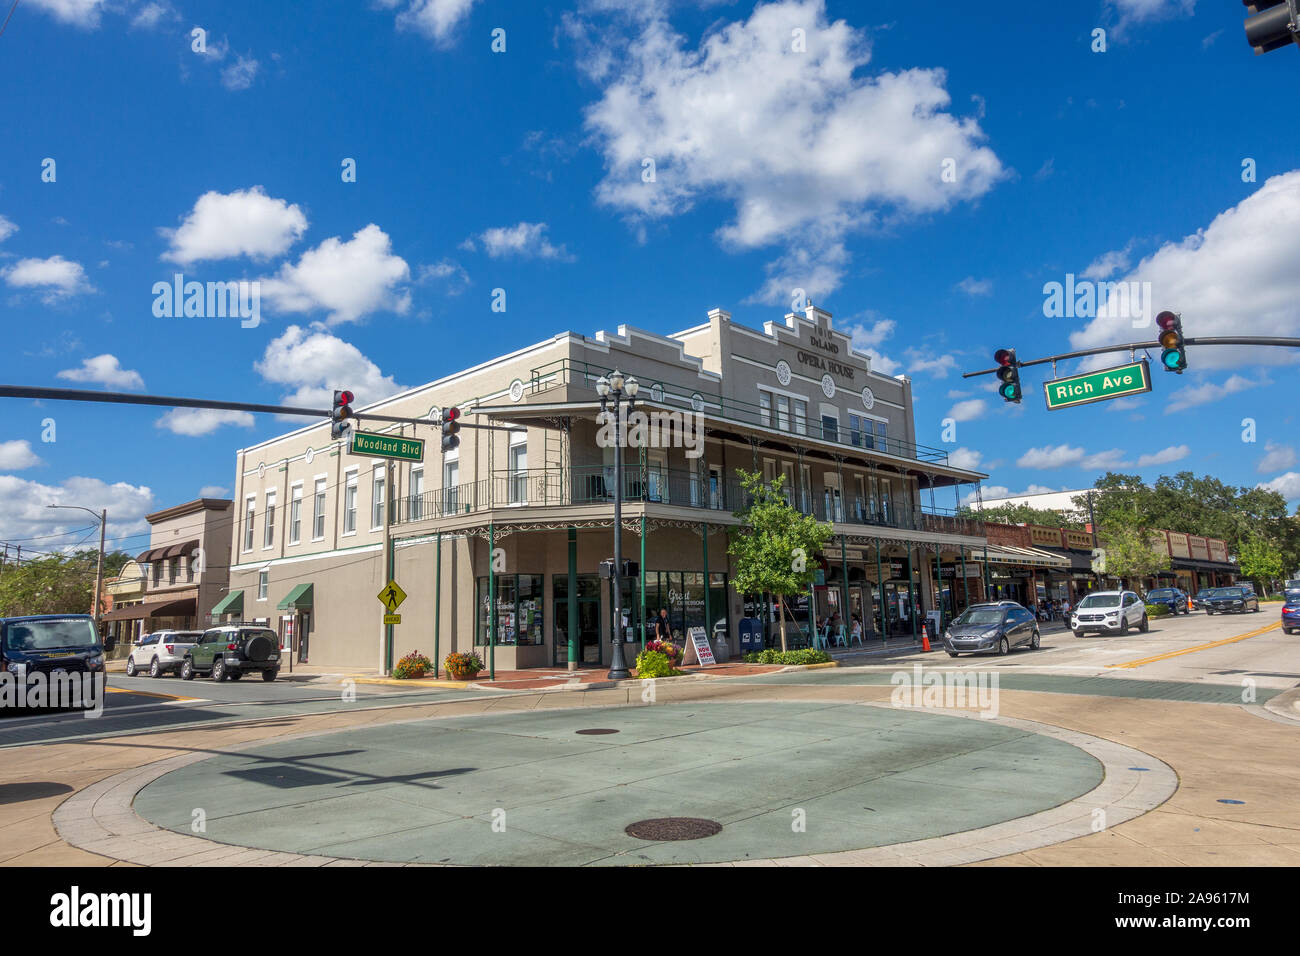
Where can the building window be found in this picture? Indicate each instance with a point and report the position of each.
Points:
(295, 515)
(377, 483)
(263, 580)
(250, 512)
(856, 430)
(783, 413)
(416, 499)
(318, 514)
(883, 435)
(830, 428)
(450, 486)
(268, 536)
(800, 416)
(765, 407)
(350, 504)
(189, 568)
(519, 610)
(518, 473)
(173, 570)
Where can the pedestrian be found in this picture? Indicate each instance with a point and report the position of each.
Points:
(663, 629)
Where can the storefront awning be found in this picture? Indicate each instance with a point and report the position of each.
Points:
(297, 599)
(232, 603)
(167, 551)
(1033, 557)
(182, 607)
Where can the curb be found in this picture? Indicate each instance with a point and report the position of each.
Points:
(1285, 705)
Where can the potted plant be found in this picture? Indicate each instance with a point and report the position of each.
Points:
(463, 666)
(413, 665)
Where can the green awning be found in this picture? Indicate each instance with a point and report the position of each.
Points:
(298, 598)
(232, 603)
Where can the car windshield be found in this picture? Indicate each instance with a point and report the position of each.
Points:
(1293, 596)
(1100, 600)
(54, 634)
(249, 633)
(980, 615)
(1160, 593)
(1227, 593)
(1203, 592)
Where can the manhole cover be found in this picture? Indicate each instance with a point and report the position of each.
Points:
(597, 730)
(673, 828)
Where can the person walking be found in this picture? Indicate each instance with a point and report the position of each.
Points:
(663, 629)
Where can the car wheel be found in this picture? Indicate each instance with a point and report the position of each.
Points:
(1078, 633)
(1145, 625)
(1209, 613)
(130, 667)
(1004, 646)
(269, 676)
(218, 670)
(155, 669)
(187, 670)
(1036, 640)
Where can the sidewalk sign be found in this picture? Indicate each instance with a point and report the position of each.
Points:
(697, 648)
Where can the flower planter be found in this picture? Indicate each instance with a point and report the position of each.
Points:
(463, 674)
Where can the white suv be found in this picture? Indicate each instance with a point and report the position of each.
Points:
(160, 652)
(1109, 612)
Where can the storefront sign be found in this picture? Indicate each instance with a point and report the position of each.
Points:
(697, 647)
(825, 363)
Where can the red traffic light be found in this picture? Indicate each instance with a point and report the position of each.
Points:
(1166, 320)
(450, 414)
(343, 398)
(1002, 356)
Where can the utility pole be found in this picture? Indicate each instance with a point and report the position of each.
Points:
(1092, 525)
(99, 568)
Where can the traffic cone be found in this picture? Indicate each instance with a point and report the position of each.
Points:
(925, 636)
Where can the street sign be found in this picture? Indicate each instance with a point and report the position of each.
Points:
(1131, 379)
(391, 597)
(392, 619)
(387, 446)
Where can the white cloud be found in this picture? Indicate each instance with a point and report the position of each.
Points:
(447, 271)
(78, 13)
(526, 239)
(1127, 13)
(1288, 485)
(1105, 266)
(806, 146)
(938, 366)
(1165, 456)
(246, 222)
(240, 74)
(1068, 456)
(1223, 280)
(152, 14)
(967, 458)
(25, 514)
(436, 19)
(992, 492)
(313, 364)
(973, 287)
(865, 337)
(56, 277)
(104, 370)
(214, 491)
(202, 421)
(7, 228)
(968, 410)
(1277, 457)
(1193, 395)
(348, 279)
(16, 455)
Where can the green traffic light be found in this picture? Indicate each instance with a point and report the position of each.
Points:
(1173, 360)
(1010, 391)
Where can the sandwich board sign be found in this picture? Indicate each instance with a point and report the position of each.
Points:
(697, 648)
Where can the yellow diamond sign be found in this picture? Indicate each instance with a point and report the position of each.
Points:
(392, 596)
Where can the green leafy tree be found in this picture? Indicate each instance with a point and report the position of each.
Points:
(774, 544)
(1024, 514)
(1260, 560)
(55, 584)
(1129, 551)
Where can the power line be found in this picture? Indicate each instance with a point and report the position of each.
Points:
(6, 23)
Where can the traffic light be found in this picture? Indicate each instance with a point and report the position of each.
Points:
(1008, 375)
(450, 427)
(1274, 25)
(1174, 356)
(341, 413)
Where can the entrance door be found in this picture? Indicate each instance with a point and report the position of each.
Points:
(588, 619)
(303, 635)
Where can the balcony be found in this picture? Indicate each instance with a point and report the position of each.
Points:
(553, 488)
(566, 372)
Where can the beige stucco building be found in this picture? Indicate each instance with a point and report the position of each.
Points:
(794, 400)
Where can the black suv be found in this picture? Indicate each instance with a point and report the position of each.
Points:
(233, 650)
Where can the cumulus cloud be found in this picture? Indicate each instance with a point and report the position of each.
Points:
(17, 455)
(246, 222)
(807, 147)
(1128, 13)
(1193, 395)
(104, 370)
(1165, 456)
(1224, 280)
(527, 240)
(1277, 457)
(967, 458)
(312, 364)
(1105, 266)
(975, 287)
(436, 19)
(1068, 456)
(348, 280)
(448, 272)
(54, 278)
(927, 362)
(78, 13)
(25, 514)
(968, 410)
(240, 74)
(202, 421)
(152, 15)
(7, 228)
(1288, 485)
(213, 491)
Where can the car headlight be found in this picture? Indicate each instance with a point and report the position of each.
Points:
(947, 635)
(95, 661)
(13, 668)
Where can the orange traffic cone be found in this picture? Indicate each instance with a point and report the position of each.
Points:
(925, 637)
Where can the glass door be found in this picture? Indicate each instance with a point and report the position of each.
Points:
(588, 619)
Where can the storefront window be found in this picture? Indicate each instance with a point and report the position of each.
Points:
(519, 610)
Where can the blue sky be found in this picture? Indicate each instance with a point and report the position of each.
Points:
(783, 160)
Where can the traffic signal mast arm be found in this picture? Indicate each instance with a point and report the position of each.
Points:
(1146, 344)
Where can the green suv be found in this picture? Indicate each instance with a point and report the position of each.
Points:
(233, 650)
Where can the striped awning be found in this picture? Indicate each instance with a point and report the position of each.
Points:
(1033, 557)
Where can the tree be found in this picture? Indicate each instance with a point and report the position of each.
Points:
(1260, 560)
(1024, 514)
(773, 545)
(1129, 552)
(57, 584)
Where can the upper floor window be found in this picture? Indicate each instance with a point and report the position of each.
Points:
(377, 482)
(250, 512)
(268, 533)
(295, 515)
(518, 472)
(765, 407)
(830, 428)
(416, 497)
(350, 504)
(318, 511)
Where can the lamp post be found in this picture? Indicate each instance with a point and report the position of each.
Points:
(613, 390)
(102, 518)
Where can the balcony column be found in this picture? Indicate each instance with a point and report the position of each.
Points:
(844, 587)
(880, 585)
(573, 599)
(911, 591)
(708, 611)
(965, 584)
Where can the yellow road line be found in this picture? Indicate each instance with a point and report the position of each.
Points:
(1199, 647)
(147, 693)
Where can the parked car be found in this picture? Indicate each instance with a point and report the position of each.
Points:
(233, 650)
(991, 629)
(1172, 598)
(1293, 584)
(160, 652)
(1202, 596)
(1291, 611)
(1109, 612)
(51, 644)
(1233, 600)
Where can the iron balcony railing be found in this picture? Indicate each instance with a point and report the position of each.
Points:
(563, 372)
(544, 488)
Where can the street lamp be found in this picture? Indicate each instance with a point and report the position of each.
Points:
(613, 391)
(102, 518)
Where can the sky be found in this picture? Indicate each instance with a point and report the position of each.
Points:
(379, 169)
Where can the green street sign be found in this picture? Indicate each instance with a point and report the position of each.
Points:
(387, 446)
(1131, 379)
